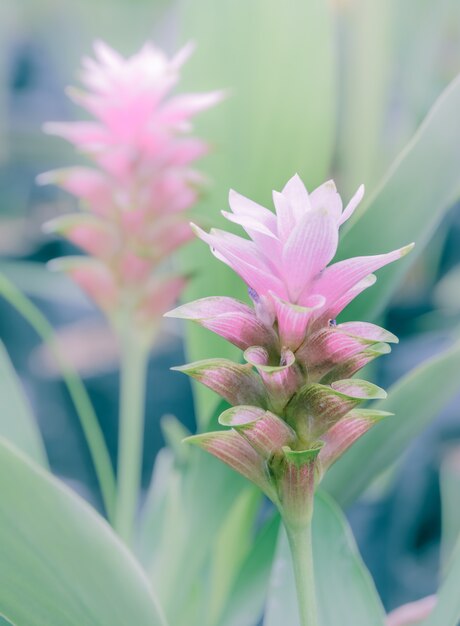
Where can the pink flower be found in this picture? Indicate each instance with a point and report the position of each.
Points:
(295, 403)
(141, 182)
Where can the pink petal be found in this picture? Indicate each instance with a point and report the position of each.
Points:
(337, 279)
(265, 432)
(86, 135)
(281, 380)
(345, 432)
(297, 196)
(184, 106)
(160, 294)
(316, 408)
(333, 310)
(228, 318)
(95, 236)
(233, 449)
(243, 257)
(310, 247)
(293, 320)
(351, 206)
(326, 198)
(368, 332)
(238, 384)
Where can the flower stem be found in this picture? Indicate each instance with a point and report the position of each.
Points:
(300, 542)
(133, 373)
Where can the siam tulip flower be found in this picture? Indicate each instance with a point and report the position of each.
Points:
(141, 183)
(295, 406)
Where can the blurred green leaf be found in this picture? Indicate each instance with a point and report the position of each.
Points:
(60, 563)
(231, 546)
(415, 400)
(447, 609)
(279, 118)
(77, 390)
(247, 598)
(408, 205)
(366, 82)
(344, 588)
(37, 281)
(450, 501)
(17, 421)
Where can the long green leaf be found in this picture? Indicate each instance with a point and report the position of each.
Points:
(17, 421)
(408, 205)
(77, 391)
(344, 588)
(279, 118)
(415, 400)
(60, 563)
(447, 610)
(247, 598)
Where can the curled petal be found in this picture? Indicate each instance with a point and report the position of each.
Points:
(281, 381)
(345, 432)
(350, 366)
(315, 408)
(266, 432)
(233, 449)
(238, 384)
(326, 349)
(293, 319)
(332, 310)
(297, 484)
(370, 333)
(229, 318)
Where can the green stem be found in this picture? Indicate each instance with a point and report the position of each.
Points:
(133, 373)
(300, 542)
(77, 391)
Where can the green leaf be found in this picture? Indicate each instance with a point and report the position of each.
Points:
(450, 501)
(415, 400)
(345, 591)
(447, 609)
(408, 205)
(269, 127)
(247, 598)
(17, 421)
(60, 563)
(232, 545)
(77, 391)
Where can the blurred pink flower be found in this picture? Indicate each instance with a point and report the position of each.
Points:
(142, 181)
(295, 405)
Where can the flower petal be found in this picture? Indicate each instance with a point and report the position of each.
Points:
(326, 197)
(238, 384)
(266, 432)
(310, 247)
(351, 206)
(233, 449)
(337, 279)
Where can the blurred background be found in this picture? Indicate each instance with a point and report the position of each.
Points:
(342, 100)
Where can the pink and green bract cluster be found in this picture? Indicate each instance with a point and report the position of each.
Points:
(140, 182)
(295, 406)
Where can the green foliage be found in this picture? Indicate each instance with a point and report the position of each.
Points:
(17, 421)
(447, 609)
(60, 563)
